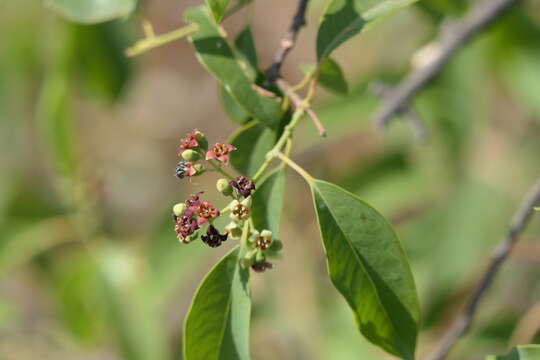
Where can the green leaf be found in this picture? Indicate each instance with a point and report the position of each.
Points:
(245, 46)
(21, 242)
(235, 112)
(218, 8)
(131, 317)
(524, 352)
(368, 266)
(219, 59)
(268, 202)
(217, 325)
(56, 121)
(342, 19)
(331, 77)
(100, 60)
(92, 11)
(253, 141)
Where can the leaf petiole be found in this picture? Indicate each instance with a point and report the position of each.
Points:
(151, 41)
(284, 158)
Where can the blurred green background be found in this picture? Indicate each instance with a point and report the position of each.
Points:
(89, 264)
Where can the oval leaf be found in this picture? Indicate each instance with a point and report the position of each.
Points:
(92, 11)
(217, 324)
(245, 47)
(218, 8)
(219, 59)
(342, 19)
(525, 352)
(369, 268)
(235, 112)
(268, 202)
(253, 141)
(331, 77)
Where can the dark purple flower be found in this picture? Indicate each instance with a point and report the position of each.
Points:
(261, 266)
(243, 185)
(213, 238)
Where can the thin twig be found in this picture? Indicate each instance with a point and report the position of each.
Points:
(299, 103)
(452, 38)
(418, 127)
(500, 254)
(288, 42)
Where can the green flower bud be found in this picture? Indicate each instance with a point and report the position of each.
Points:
(247, 202)
(234, 231)
(179, 209)
(201, 139)
(191, 155)
(224, 187)
(267, 234)
(249, 258)
(199, 169)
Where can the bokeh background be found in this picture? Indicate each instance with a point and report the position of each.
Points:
(89, 264)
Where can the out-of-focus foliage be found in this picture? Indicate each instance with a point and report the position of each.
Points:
(92, 11)
(89, 264)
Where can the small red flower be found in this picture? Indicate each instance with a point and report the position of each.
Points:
(189, 141)
(192, 203)
(220, 151)
(185, 226)
(206, 212)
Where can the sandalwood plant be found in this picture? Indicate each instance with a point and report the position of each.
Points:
(365, 260)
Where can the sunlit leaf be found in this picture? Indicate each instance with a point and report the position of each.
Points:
(253, 141)
(524, 352)
(218, 8)
(368, 266)
(268, 202)
(92, 11)
(235, 112)
(331, 77)
(217, 325)
(342, 19)
(219, 59)
(245, 46)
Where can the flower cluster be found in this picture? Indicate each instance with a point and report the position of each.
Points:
(191, 215)
(194, 147)
(195, 215)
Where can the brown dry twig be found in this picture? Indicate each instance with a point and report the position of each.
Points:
(453, 36)
(273, 74)
(288, 42)
(500, 254)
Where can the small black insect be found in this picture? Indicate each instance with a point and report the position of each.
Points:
(181, 169)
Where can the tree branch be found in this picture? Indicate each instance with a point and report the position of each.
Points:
(500, 254)
(288, 42)
(297, 101)
(452, 38)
